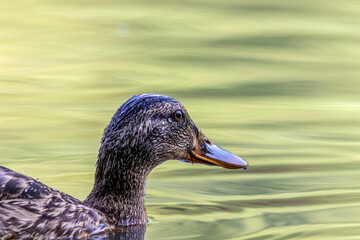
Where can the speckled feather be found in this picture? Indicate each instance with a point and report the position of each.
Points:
(30, 209)
(141, 135)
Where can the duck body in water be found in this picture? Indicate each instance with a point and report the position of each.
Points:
(144, 132)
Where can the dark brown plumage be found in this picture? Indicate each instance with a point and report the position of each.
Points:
(145, 131)
(32, 210)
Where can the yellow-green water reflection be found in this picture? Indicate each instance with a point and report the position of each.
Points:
(276, 82)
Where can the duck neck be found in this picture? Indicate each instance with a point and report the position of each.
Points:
(119, 192)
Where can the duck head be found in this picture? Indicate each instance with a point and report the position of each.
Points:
(149, 129)
(144, 132)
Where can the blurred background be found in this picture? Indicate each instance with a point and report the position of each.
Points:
(276, 82)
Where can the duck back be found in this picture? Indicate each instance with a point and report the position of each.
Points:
(30, 209)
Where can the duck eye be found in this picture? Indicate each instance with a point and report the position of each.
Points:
(178, 115)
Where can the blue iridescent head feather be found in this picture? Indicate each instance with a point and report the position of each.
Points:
(136, 104)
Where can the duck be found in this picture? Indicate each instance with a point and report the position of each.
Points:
(146, 130)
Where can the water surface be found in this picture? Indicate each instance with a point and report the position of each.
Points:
(275, 82)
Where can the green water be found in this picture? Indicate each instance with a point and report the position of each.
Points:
(276, 82)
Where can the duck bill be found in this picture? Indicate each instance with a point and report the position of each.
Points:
(206, 152)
